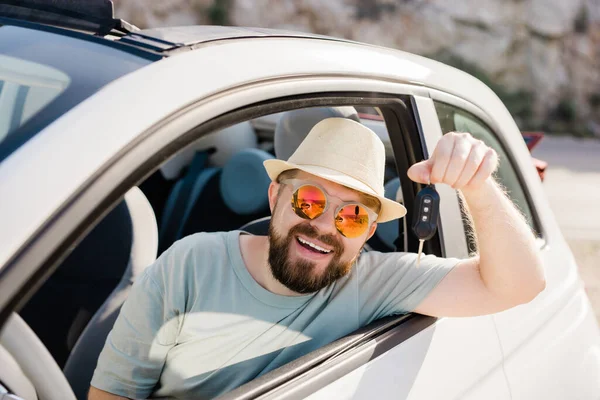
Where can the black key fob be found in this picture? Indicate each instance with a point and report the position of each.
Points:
(427, 208)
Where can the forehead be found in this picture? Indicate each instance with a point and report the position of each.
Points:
(332, 188)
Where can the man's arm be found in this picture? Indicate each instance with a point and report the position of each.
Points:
(97, 394)
(508, 270)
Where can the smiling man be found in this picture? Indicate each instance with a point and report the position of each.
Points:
(217, 310)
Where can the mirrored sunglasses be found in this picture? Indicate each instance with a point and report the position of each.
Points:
(309, 201)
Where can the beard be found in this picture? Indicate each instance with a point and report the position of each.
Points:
(300, 275)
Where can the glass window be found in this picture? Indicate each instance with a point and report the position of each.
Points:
(43, 75)
(453, 119)
(25, 88)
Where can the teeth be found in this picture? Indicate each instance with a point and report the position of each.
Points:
(314, 246)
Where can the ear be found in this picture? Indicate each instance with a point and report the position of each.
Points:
(372, 230)
(273, 192)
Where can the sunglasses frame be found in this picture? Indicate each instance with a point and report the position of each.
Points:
(296, 184)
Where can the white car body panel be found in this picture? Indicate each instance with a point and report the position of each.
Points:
(456, 358)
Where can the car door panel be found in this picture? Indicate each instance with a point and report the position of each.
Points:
(455, 358)
(552, 344)
(559, 360)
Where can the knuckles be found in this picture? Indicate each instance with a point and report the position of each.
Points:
(470, 153)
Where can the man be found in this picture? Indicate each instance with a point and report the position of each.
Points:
(217, 310)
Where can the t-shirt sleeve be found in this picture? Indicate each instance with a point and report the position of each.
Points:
(391, 283)
(134, 354)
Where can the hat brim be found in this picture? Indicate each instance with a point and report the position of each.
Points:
(390, 209)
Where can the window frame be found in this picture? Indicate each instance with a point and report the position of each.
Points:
(68, 227)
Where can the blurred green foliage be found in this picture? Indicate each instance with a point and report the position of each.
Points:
(565, 119)
(566, 110)
(582, 21)
(374, 9)
(218, 12)
(594, 100)
(518, 102)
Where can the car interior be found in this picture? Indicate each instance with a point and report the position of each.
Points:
(217, 183)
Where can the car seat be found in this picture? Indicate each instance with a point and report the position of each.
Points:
(388, 234)
(62, 307)
(182, 198)
(82, 360)
(218, 148)
(193, 169)
(231, 197)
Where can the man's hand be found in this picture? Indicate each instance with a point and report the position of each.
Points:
(508, 270)
(459, 160)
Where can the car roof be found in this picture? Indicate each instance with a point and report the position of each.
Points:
(167, 40)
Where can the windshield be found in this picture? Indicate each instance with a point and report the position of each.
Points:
(25, 88)
(45, 73)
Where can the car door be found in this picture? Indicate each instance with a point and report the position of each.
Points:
(550, 345)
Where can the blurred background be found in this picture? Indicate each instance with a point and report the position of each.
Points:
(542, 58)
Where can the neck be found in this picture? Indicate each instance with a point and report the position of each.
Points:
(255, 253)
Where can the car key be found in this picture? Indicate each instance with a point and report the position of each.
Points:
(427, 207)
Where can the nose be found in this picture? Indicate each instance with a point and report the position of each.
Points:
(324, 223)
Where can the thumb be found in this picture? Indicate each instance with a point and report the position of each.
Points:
(420, 172)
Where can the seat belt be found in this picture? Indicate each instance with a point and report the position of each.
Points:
(175, 208)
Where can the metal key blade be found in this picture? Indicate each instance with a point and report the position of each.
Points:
(420, 251)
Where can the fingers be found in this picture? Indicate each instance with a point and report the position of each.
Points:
(486, 168)
(459, 160)
(441, 159)
(420, 172)
(478, 152)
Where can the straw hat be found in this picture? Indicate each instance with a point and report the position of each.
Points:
(345, 152)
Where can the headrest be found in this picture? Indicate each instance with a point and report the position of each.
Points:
(244, 182)
(225, 143)
(294, 125)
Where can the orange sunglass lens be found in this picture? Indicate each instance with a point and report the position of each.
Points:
(352, 220)
(309, 202)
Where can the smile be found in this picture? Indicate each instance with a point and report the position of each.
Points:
(313, 246)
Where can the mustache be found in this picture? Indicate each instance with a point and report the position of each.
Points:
(311, 232)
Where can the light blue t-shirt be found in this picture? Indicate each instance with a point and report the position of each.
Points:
(197, 325)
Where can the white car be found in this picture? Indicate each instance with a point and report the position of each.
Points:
(92, 108)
